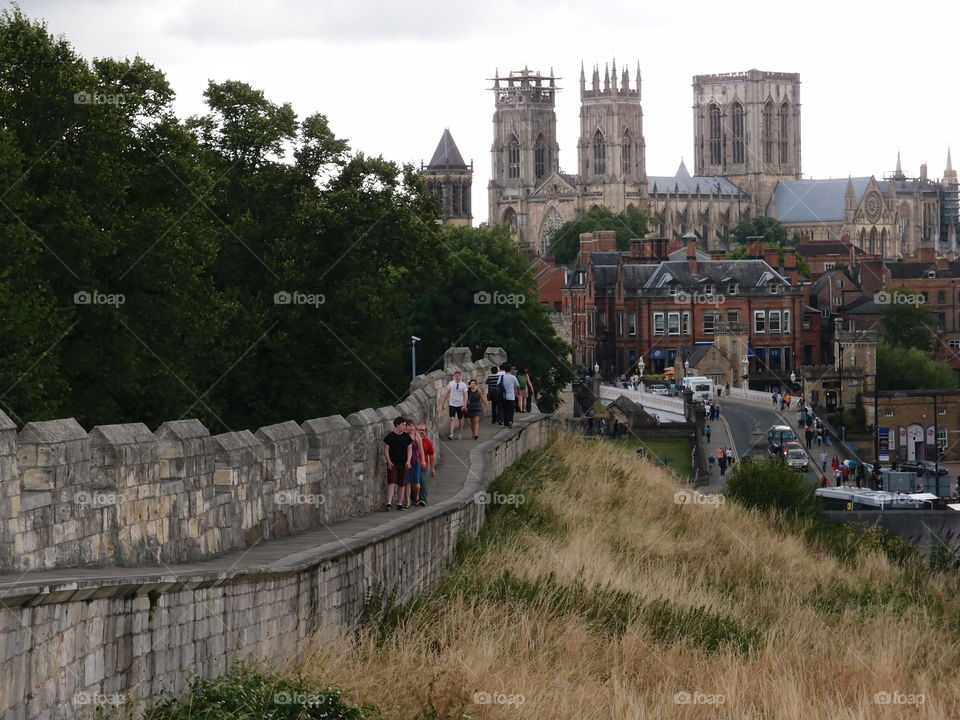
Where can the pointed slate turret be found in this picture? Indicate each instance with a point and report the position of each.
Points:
(682, 171)
(446, 155)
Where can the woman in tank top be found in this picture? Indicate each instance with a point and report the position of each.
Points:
(476, 404)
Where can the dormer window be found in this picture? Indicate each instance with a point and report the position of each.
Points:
(774, 288)
(732, 288)
(931, 273)
(672, 289)
(708, 289)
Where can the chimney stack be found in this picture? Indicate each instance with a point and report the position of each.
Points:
(755, 248)
(691, 251)
(790, 265)
(772, 257)
(587, 246)
(606, 240)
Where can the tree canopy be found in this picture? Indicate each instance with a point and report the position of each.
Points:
(905, 368)
(906, 321)
(631, 223)
(243, 266)
(770, 229)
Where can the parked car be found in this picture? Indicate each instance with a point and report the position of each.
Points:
(923, 467)
(658, 389)
(797, 458)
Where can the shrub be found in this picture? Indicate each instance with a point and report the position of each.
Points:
(771, 484)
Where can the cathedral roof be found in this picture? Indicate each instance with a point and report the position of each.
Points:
(447, 155)
(814, 200)
(695, 185)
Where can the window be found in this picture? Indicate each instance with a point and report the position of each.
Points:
(941, 321)
(828, 266)
(888, 412)
(673, 323)
(672, 289)
(804, 324)
(774, 288)
(540, 158)
(768, 132)
(941, 297)
(708, 289)
(941, 411)
(685, 315)
(737, 133)
(619, 323)
(632, 322)
(513, 158)
(773, 321)
(599, 154)
(713, 113)
(733, 316)
(786, 321)
(590, 321)
(955, 344)
(658, 323)
(759, 321)
(625, 152)
(942, 439)
(837, 300)
(732, 288)
(784, 132)
(709, 323)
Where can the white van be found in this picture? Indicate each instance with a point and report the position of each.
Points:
(703, 388)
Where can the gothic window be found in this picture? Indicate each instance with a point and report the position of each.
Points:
(510, 218)
(599, 154)
(457, 198)
(625, 152)
(768, 132)
(784, 132)
(737, 133)
(551, 221)
(540, 158)
(713, 113)
(513, 158)
(872, 244)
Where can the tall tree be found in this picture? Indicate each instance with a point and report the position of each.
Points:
(906, 321)
(631, 223)
(905, 368)
(770, 229)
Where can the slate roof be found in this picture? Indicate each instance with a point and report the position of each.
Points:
(909, 270)
(696, 185)
(863, 305)
(821, 282)
(748, 273)
(635, 276)
(604, 276)
(446, 155)
(695, 353)
(795, 201)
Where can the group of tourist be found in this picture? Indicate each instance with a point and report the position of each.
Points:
(410, 456)
(409, 452)
(723, 458)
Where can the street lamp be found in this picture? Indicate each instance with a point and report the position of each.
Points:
(746, 370)
(640, 366)
(413, 354)
(686, 367)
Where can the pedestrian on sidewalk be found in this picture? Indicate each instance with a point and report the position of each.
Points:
(722, 461)
(838, 475)
(476, 404)
(823, 461)
(775, 399)
(845, 473)
(430, 455)
(707, 431)
(729, 453)
(835, 463)
(522, 391)
(397, 450)
(808, 436)
(493, 395)
(860, 474)
(456, 399)
(509, 385)
(531, 391)
(726, 389)
(716, 411)
(411, 486)
(820, 437)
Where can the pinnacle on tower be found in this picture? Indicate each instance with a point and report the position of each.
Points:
(553, 83)
(606, 78)
(613, 75)
(949, 163)
(596, 78)
(638, 80)
(496, 79)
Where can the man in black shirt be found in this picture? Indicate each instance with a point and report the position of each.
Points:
(397, 451)
(493, 395)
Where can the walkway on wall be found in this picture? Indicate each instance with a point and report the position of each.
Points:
(280, 553)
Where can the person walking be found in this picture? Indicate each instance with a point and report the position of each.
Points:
(729, 454)
(456, 399)
(722, 462)
(774, 396)
(430, 456)
(716, 411)
(531, 391)
(835, 463)
(838, 476)
(493, 395)
(726, 389)
(808, 436)
(707, 431)
(522, 391)
(509, 385)
(397, 451)
(411, 487)
(823, 461)
(860, 474)
(476, 404)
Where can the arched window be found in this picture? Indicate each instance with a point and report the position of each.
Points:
(599, 154)
(625, 155)
(768, 132)
(872, 242)
(784, 132)
(551, 221)
(713, 113)
(513, 157)
(883, 242)
(457, 198)
(737, 114)
(540, 158)
(510, 218)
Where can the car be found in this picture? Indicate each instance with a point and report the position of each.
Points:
(788, 446)
(658, 389)
(923, 467)
(778, 436)
(797, 458)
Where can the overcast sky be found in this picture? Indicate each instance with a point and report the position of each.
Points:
(390, 75)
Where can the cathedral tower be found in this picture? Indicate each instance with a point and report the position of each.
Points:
(747, 129)
(450, 179)
(611, 150)
(525, 150)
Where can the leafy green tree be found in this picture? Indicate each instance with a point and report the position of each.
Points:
(565, 242)
(770, 485)
(906, 368)
(770, 229)
(906, 323)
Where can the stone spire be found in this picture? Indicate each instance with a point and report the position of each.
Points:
(606, 78)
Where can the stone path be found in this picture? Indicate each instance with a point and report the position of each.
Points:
(278, 553)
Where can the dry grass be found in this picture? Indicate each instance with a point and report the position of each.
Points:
(603, 598)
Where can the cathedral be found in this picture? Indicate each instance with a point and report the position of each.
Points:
(747, 154)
